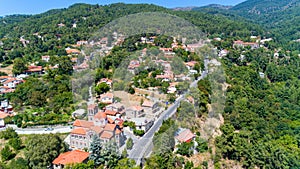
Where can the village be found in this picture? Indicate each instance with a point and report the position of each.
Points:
(122, 115)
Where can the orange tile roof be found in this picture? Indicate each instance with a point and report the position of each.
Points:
(111, 121)
(3, 115)
(110, 112)
(83, 123)
(5, 77)
(80, 131)
(69, 51)
(71, 157)
(110, 127)
(97, 129)
(106, 134)
(100, 115)
(185, 136)
(110, 95)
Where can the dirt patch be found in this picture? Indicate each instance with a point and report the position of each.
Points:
(7, 70)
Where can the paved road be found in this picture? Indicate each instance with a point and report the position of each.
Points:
(41, 130)
(142, 146)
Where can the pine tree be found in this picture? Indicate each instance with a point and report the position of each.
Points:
(111, 154)
(95, 151)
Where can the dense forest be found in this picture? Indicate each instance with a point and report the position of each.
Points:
(262, 120)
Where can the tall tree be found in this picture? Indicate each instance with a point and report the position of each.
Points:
(95, 151)
(41, 150)
(19, 66)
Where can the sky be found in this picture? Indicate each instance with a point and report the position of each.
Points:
(9, 7)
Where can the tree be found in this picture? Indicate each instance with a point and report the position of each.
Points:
(110, 153)
(95, 151)
(6, 153)
(126, 163)
(202, 145)
(185, 149)
(15, 143)
(19, 163)
(88, 165)
(41, 150)
(65, 65)
(19, 66)
(102, 88)
(129, 144)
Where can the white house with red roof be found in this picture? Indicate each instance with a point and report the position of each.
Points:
(107, 98)
(46, 58)
(184, 135)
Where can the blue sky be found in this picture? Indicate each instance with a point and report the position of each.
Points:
(8, 7)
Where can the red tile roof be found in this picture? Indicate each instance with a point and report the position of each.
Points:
(80, 131)
(97, 129)
(83, 123)
(110, 127)
(185, 136)
(71, 157)
(106, 134)
(100, 115)
(110, 112)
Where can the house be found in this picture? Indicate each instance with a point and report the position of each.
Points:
(167, 76)
(98, 124)
(150, 106)
(190, 65)
(71, 157)
(107, 98)
(193, 47)
(172, 87)
(46, 58)
(78, 113)
(12, 82)
(142, 123)
(134, 112)
(82, 42)
(133, 65)
(34, 70)
(72, 51)
(118, 107)
(184, 135)
(61, 25)
(2, 117)
(261, 75)
(109, 82)
(242, 44)
(74, 60)
(223, 53)
(5, 89)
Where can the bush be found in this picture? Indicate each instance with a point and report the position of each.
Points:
(8, 133)
(6, 153)
(202, 145)
(138, 132)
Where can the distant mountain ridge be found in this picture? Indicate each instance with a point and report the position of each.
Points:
(265, 6)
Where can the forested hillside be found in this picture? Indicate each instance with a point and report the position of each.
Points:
(281, 17)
